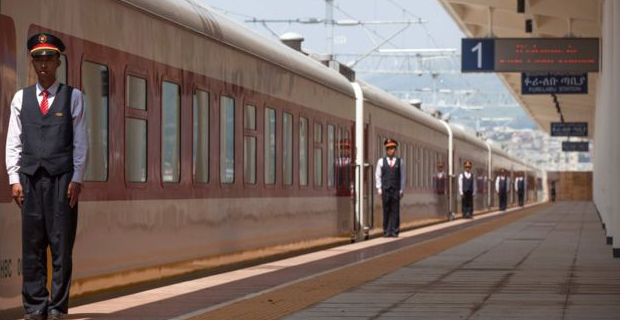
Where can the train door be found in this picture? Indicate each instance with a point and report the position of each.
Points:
(8, 82)
(10, 219)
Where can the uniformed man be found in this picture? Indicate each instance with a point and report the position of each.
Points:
(467, 190)
(502, 186)
(439, 179)
(46, 156)
(390, 183)
(520, 188)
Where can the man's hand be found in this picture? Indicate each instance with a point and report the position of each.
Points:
(73, 193)
(18, 193)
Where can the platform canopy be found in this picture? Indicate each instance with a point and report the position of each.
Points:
(550, 18)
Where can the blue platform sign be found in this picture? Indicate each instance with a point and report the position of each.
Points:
(569, 129)
(554, 83)
(477, 55)
(581, 146)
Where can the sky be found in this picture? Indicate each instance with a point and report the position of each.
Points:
(351, 39)
(439, 31)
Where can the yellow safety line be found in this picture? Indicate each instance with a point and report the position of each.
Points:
(289, 299)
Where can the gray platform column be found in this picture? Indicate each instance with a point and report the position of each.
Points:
(615, 107)
(607, 127)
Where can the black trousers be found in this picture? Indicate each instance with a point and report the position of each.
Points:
(521, 197)
(47, 221)
(503, 197)
(467, 202)
(391, 212)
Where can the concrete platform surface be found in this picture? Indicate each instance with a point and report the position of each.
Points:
(550, 265)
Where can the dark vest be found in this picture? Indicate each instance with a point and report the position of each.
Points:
(502, 185)
(390, 177)
(47, 140)
(440, 183)
(468, 184)
(521, 185)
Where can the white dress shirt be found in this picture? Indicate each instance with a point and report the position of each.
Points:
(14, 142)
(497, 183)
(391, 162)
(467, 175)
(517, 183)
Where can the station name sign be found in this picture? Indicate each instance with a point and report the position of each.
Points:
(581, 146)
(550, 83)
(530, 55)
(569, 129)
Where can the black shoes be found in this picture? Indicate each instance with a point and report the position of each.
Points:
(37, 315)
(55, 315)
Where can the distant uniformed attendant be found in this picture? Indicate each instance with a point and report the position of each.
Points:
(439, 179)
(520, 188)
(502, 186)
(467, 189)
(390, 183)
(46, 151)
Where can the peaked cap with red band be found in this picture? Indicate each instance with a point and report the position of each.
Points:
(42, 44)
(390, 143)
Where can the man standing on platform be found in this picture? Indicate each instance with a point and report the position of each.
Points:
(467, 190)
(46, 151)
(390, 183)
(502, 186)
(520, 188)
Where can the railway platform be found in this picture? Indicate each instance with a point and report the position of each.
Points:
(546, 261)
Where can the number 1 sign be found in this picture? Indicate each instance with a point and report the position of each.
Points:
(477, 55)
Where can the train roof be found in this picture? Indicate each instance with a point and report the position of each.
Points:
(387, 101)
(204, 20)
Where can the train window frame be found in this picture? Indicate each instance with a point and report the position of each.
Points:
(308, 150)
(210, 114)
(330, 146)
(318, 146)
(252, 133)
(178, 84)
(291, 152)
(220, 98)
(106, 64)
(266, 110)
(137, 114)
(349, 156)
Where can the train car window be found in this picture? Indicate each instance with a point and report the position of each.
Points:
(415, 167)
(170, 132)
(249, 117)
(96, 98)
(135, 92)
(135, 150)
(425, 168)
(339, 155)
(200, 141)
(270, 146)
(409, 161)
(347, 159)
(287, 148)
(61, 72)
(249, 145)
(330, 156)
(303, 151)
(227, 139)
(318, 155)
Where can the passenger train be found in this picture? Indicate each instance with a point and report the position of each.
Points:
(207, 139)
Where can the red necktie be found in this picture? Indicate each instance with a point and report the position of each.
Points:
(44, 102)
